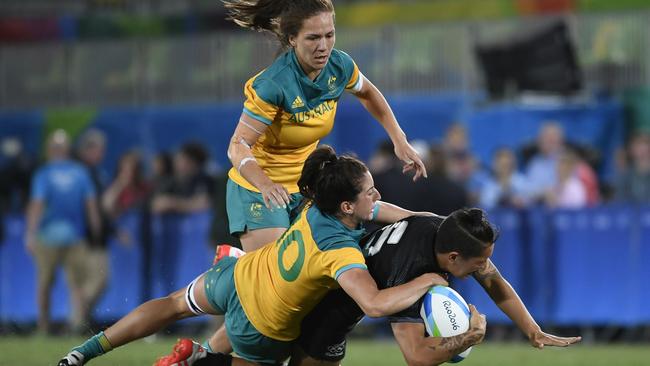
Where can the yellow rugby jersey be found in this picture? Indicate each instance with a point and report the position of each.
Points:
(280, 283)
(298, 111)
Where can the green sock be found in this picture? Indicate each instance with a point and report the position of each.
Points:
(95, 346)
(207, 347)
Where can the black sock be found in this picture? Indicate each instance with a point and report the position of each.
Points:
(214, 359)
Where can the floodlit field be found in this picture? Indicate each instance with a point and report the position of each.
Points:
(46, 351)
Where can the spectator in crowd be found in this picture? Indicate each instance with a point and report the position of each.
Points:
(91, 149)
(464, 169)
(16, 169)
(541, 170)
(462, 166)
(162, 177)
(192, 187)
(389, 178)
(129, 189)
(438, 193)
(62, 208)
(633, 185)
(455, 139)
(569, 191)
(506, 187)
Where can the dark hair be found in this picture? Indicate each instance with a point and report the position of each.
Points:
(328, 179)
(283, 18)
(196, 152)
(466, 231)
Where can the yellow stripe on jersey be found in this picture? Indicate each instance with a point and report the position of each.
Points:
(256, 107)
(355, 81)
(280, 283)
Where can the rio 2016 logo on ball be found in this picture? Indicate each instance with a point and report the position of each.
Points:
(445, 314)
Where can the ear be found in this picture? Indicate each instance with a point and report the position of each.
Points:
(292, 41)
(453, 257)
(347, 207)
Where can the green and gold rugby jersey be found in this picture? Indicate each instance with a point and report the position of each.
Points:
(280, 283)
(298, 111)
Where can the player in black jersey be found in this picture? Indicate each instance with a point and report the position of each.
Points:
(459, 245)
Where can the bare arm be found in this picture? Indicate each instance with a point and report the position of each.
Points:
(421, 350)
(502, 293)
(246, 134)
(372, 99)
(34, 215)
(109, 198)
(362, 288)
(390, 213)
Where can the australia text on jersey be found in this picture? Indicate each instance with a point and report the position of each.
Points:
(324, 107)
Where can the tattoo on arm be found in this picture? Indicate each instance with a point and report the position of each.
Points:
(489, 272)
(454, 345)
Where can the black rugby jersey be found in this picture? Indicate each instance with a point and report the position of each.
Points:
(398, 253)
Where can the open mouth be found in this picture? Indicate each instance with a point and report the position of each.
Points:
(321, 59)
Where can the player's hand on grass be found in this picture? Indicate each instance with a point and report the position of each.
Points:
(477, 325)
(407, 154)
(539, 339)
(274, 195)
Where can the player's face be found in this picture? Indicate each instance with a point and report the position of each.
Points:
(314, 42)
(364, 205)
(462, 267)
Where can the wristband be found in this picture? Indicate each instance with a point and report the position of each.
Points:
(243, 162)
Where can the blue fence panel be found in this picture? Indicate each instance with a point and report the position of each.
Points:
(594, 257)
(165, 250)
(196, 254)
(563, 264)
(538, 263)
(507, 256)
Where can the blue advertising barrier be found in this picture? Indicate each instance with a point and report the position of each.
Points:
(584, 267)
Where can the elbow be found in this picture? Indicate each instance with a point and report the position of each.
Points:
(373, 310)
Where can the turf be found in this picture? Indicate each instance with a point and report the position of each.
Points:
(46, 351)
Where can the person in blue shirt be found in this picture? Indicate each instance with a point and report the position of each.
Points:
(62, 203)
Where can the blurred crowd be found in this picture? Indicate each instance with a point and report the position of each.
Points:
(71, 203)
(548, 172)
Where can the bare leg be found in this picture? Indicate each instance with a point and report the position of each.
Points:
(219, 341)
(148, 318)
(43, 295)
(255, 239)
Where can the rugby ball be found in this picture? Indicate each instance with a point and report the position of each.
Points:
(445, 314)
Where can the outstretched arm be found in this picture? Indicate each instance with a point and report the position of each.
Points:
(372, 99)
(360, 286)
(389, 213)
(509, 302)
(420, 350)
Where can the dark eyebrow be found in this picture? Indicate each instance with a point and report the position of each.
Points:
(370, 189)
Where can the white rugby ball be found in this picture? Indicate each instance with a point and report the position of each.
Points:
(445, 314)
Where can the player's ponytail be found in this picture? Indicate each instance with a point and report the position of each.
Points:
(466, 231)
(328, 179)
(313, 168)
(282, 18)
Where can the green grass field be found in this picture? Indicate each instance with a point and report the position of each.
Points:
(46, 351)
